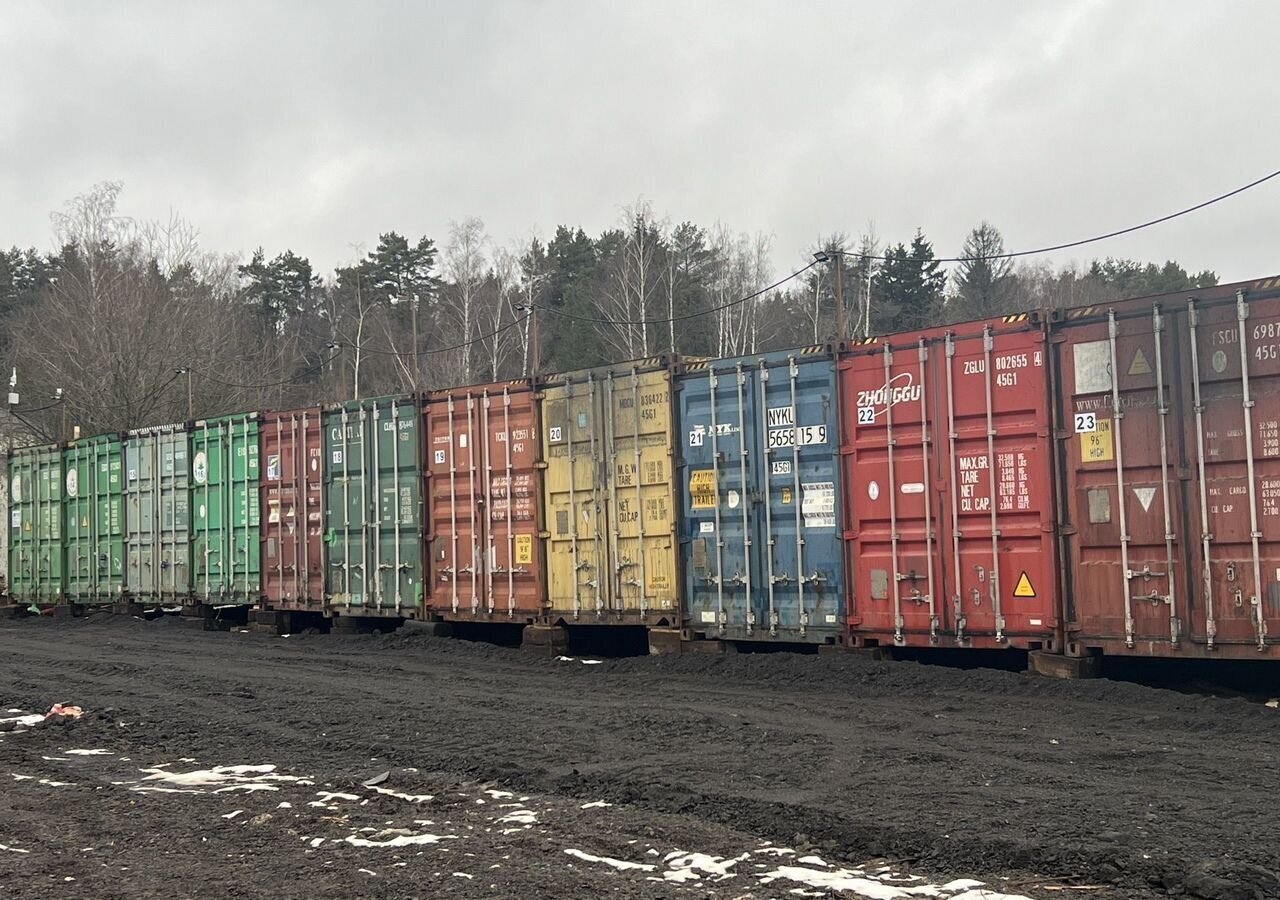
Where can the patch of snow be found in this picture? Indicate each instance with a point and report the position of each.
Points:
(814, 861)
(619, 864)
(88, 752)
(220, 779)
(463, 875)
(500, 795)
(400, 840)
(233, 814)
(412, 798)
(692, 866)
(8, 849)
(595, 804)
(519, 817)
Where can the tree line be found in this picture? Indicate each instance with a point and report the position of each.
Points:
(133, 323)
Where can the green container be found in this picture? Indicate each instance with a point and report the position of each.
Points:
(157, 516)
(373, 508)
(36, 573)
(94, 510)
(225, 532)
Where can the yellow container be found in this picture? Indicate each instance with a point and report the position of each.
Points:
(610, 495)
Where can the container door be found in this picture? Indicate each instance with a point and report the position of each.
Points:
(1126, 583)
(1234, 430)
(394, 493)
(720, 415)
(345, 508)
(175, 514)
(36, 484)
(805, 558)
(210, 494)
(511, 527)
(456, 512)
(246, 582)
(108, 514)
(891, 491)
(80, 472)
(141, 510)
(577, 552)
(640, 495)
(992, 425)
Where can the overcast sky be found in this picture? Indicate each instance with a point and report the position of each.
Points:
(315, 126)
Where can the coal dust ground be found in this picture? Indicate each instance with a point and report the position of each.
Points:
(407, 766)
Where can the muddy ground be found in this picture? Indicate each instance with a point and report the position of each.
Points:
(235, 765)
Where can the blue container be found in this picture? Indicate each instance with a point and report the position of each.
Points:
(760, 536)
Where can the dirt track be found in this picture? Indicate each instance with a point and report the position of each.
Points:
(500, 763)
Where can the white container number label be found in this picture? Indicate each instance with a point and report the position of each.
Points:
(1086, 423)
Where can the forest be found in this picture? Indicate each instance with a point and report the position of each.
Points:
(133, 322)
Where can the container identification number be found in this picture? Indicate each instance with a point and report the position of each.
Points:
(805, 435)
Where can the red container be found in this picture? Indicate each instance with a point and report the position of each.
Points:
(484, 489)
(293, 549)
(948, 488)
(1171, 473)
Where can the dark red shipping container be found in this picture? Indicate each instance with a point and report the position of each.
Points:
(484, 490)
(948, 488)
(1169, 410)
(292, 480)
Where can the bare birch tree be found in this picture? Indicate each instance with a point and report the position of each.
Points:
(465, 269)
(633, 282)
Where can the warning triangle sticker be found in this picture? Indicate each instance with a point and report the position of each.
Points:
(1139, 366)
(1144, 495)
(1023, 587)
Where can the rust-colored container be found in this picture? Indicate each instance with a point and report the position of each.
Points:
(292, 511)
(949, 493)
(483, 484)
(1169, 410)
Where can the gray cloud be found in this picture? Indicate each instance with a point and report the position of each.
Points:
(315, 126)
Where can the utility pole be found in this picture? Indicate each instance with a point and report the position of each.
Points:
(537, 355)
(186, 370)
(838, 259)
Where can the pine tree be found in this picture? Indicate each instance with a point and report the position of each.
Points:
(985, 286)
(912, 286)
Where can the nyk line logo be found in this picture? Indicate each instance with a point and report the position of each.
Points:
(898, 389)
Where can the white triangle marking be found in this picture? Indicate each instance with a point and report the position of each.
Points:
(1144, 495)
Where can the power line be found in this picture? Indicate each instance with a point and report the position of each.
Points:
(417, 353)
(1082, 241)
(303, 374)
(706, 312)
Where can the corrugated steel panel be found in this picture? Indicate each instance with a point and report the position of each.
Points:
(157, 514)
(1171, 473)
(225, 534)
(292, 484)
(760, 481)
(949, 488)
(484, 495)
(94, 512)
(610, 498)
(373, 500)
(36, 569)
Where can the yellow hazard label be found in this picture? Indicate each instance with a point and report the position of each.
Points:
(1139, 366)
(1023, 588)
(1095, 446)
(524, 549)
(84, 521)
(786, 496)
(702, 488)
